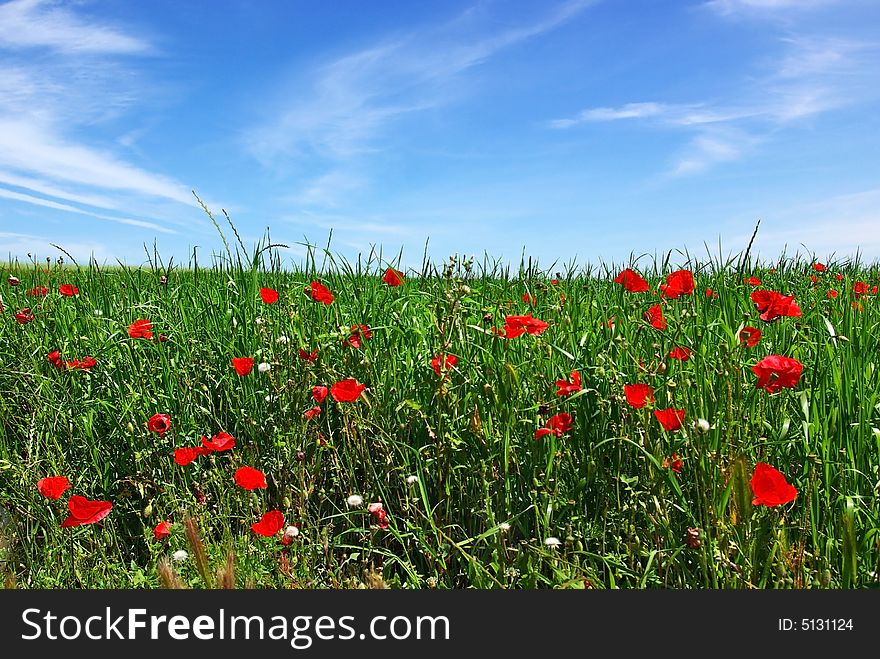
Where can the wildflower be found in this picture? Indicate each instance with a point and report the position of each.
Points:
(680, 353)
(773, 305)
(378, 511)
(674, 462)
(24, 316)
(638, 395)
(85, 511)
(250, 478)
(354, 501)
(54, 358)
(819, 267)
(831, 294)
(319, 393)
(678, 283)
(264, 367)
(313, 412)
(179, 556)
(776, 371)
(671, 419)
(163, 280)
(392, 277)
(141, 329)
(552, 542)
(693, 538)
(308, 356)
(222, 441)
(268, 295)
(99, 312)
(631, 281)
(412, 479)
(654, 315)
(52, 487)
(557, 424)
(529, 299)
(770, 487)
(359, 334)
(448, 362)
(242, 365)
(84, 364)
(752, 281)
(320, 293)
(162, 530)
(159, 423)
(711, 293)
(187, 454)
(13, 280)
(701, 426)
(750, 336)
(37, 291)
(566, 388)
(347, 391)
(289, 534)
(504, 527)
(514, 326)
(270, 523)
(68, 290)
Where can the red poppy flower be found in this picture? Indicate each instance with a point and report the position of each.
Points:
(359, 334)
(776, 371)
(38, 291)
(862, 289)
(24, 316)
(141, 329)
(678, 283)
(670, 418)
(654, 315)
(12, 280)
(320, 293)
(509, 332)
(819, 267)
(516, 325)
(269, 295)
(750, 336)
(528, 298)
(54, 358)
(242, 365)
(378, 511)
(638, 395)
(183, 456)
(159, 423)
(347, 391)
(448, 361)
(680, 353)
(558, 424)
(711, 293)
(52, 487)
(838, 277)
(220, 442)
(772, 305)
(675, 463)
(631, 281)
(814, 279)
(308, 356)
(319, 393)
(392, 277)
(270, 523)
(68, 290)
(312, 413)
(84, 364)
(831, 294)
(84, 511)
(162, 530)
(567, 388)
(770, 487)
(752, 281)
(250, 478)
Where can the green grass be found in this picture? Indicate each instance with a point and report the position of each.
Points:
(487, 493)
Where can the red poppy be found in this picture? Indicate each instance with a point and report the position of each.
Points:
(528, 298)
(819, 267)
(509, 332)
(359, 334)
(162, 530)
(52, 487)
(347, 391)
(678, 283)
(12, 280)
(861, 289)
(654, 315)
(838, 277)
(183, 456)
(831, 294)
(671, 419)
(675, 463)
(38, 291)
(319, 393)
(772, 305)
(222, 441)
(567, 388)
(84, 511)
(392, 277)
(752, 281)
(269, 295)
(557, 424)
(141, 329)
(448, 361)
(84, 364)
(54, 358)
(750, 336)
(516, 325)
(814, 279)
(776, 371)
(313, 412)
(638, 395)
(378, 511)
(631, 281)
(770, 487)
(308, 356)
(68, 290)
(680, 353)
(159, 423)
(24, 316)
(270, 523)
(242, 365)
(711, 293)
(250, 478)
(320, 293)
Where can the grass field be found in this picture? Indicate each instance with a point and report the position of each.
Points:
(473, 492)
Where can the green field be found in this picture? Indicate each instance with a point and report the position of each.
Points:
(471, 497)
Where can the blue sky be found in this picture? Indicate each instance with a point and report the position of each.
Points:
(575, 130)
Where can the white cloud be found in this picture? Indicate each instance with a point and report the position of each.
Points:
(19, 245)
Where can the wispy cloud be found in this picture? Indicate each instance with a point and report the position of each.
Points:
(739, 7)
(347, 105)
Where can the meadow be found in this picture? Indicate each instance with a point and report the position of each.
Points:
(665, 423)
